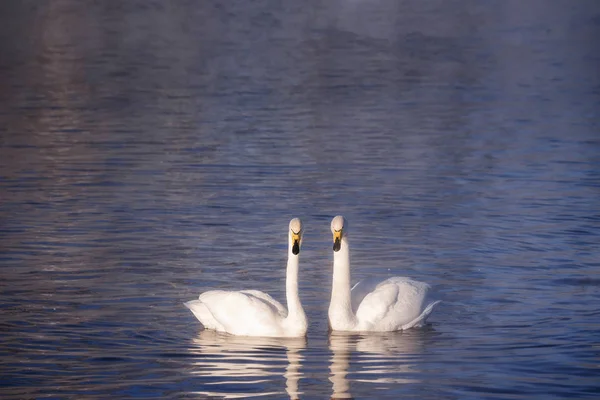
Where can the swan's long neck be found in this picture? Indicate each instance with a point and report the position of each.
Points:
(340, 309)
(295, 309)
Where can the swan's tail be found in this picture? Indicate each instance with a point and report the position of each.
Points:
(203, 314)
(421, 319)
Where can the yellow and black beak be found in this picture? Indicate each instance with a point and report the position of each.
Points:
(337, 240)
(295, 243)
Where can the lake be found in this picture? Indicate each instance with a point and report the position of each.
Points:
(151, 151)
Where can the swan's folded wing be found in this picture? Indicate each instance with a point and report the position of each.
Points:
(267, 299)
(361, 289)
(242, 313)
(395, 303)
(376, 305)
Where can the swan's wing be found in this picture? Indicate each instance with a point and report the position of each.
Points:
(375, 305)
(268, 299)
(240, 313)
(395, 303)
(361, 289)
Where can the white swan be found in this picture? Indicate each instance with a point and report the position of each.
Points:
(255, 313)
(372, 305)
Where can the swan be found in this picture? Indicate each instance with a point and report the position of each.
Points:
(255, 313)
(372, 305)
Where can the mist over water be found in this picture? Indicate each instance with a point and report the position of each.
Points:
(150, 151)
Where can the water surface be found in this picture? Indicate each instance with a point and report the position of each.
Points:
(150, 151)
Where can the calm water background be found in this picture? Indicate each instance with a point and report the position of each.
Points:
(153, 150)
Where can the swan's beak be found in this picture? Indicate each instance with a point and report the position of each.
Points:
(337, 240)
(295, 243)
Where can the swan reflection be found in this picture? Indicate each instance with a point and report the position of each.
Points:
(382, 358)
(233, 364)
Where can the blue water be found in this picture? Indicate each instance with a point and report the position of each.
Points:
(150, 151)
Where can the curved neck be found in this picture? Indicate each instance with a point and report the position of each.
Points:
(291, 285)
(341, 303)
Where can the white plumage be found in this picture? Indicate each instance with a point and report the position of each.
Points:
(375, 305)
(255, 313)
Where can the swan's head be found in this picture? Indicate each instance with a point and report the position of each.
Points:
(296, 231)
(339, 227)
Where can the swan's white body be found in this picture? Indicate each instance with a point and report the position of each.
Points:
(373, 305)
(252, 312)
